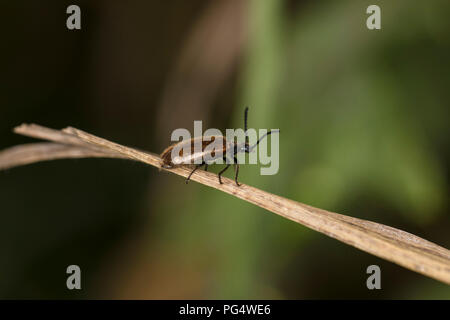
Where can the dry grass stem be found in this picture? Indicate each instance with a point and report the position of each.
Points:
(395, 245)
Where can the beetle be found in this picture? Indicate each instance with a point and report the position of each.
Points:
(229, 150)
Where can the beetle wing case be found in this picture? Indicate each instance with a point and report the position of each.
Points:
(175, 154)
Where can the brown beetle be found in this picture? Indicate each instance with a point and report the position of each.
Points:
(228, 150)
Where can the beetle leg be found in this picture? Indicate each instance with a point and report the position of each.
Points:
(196, 167)
(223, 170)
(236, 172)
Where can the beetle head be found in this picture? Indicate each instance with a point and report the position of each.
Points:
(243, 147)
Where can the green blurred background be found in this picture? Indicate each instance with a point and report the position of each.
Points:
(364, 120)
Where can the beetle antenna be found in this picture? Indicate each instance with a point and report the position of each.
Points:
(260, 139)
(245, 123)
(245, 118)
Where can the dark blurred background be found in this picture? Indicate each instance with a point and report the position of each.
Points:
(364, 120)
